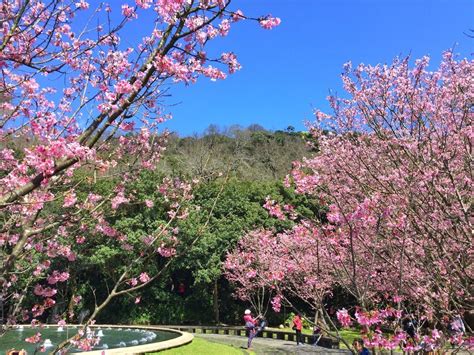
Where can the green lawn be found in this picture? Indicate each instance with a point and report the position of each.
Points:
(201, 346)
(348, 335)
(288, 329)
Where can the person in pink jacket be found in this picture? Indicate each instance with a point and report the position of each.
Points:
(298, 326)
(250, 326)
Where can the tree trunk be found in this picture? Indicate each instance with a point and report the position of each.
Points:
(215, 302)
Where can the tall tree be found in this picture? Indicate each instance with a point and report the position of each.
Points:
(395, 170)
(102, 89)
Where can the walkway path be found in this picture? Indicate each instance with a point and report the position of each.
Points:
(266, 346)
(269, 346)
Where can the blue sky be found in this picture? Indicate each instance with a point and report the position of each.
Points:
(290, 70)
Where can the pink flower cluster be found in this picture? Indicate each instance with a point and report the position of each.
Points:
(34, 339)
(344, 318)
(57, 276)
(44, 291)
(274, 209)
(144, 278)
(270, 22)
(276, 303)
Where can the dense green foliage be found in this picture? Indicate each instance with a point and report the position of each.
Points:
(236, 171)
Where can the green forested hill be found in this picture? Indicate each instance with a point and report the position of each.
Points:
(249, 154)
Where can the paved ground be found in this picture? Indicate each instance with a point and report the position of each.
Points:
(269, 346)
(265, 346)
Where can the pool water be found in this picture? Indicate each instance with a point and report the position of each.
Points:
(112, 338)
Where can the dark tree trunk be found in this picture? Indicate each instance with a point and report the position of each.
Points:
(215, 303)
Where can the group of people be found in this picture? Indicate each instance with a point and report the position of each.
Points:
(409, 325)
(454, 329)
(255, 325)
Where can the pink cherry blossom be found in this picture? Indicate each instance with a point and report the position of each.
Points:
(274, 209)
(84, 5)
(149, 203)
(238, 16)
(144, 4)
(344, 318)
(128, 11)
(270, 22)
(44, 292)
(57, 276)
(276, 303)
(144, 278)
(123, 87)
(77, 299)
(118, 200)
(70, 200)
(393, 170)
(34, 339)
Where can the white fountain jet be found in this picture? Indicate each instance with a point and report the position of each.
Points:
(100, 333)
(47, 343)
(60, 329)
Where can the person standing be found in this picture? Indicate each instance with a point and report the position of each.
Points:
(250, 327)
(181, 288)
(409, 326)
(457, 325)
(358, 345)
(317, 334)
(456, 329)
(298, 326)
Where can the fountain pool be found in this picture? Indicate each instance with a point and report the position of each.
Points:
(110, 337)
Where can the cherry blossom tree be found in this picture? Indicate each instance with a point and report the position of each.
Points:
(78, 104)
(287, 265)
(394, 169)
(249, 269)
(396, 174)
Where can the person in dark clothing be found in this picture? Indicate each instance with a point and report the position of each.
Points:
(317, 334)
(261, 324)
(409, 326)
(358, 345)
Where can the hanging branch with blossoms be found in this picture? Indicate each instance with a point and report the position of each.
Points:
(77, 105)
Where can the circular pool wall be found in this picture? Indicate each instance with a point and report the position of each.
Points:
(113, 339)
